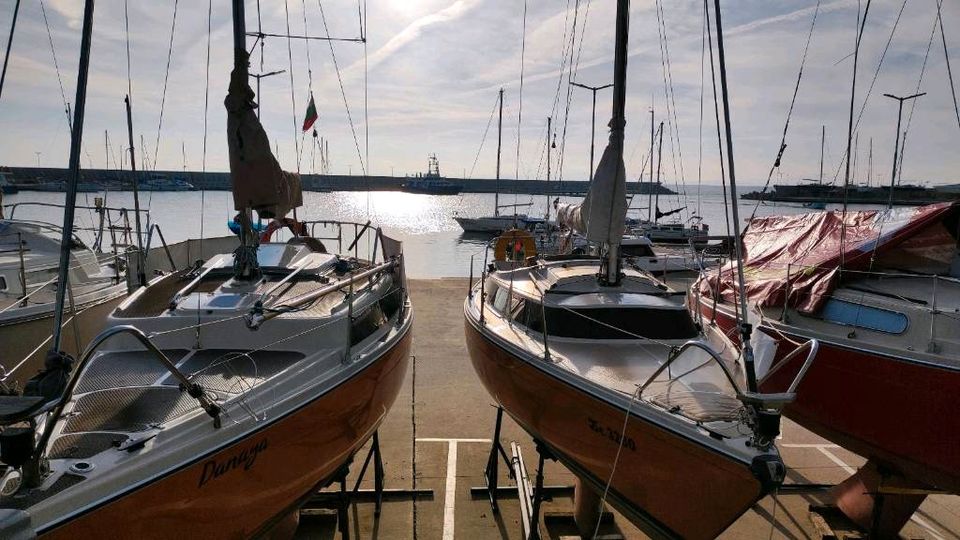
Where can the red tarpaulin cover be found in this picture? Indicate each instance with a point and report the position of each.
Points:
(811, 245)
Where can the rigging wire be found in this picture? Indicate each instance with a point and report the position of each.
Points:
(293, 97)
(876, 73)
(716, 113)
(366, 101)
(163, 96)
(566, 111)
(56, 66)
(946, 56)
(703, 54)
(523, 51)
(861, 26)
(913, 103)
(203, 155)
(343, 92)
(484, 138)
(673, 123)
(793, 102)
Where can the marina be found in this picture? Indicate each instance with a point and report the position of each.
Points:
(258, 345)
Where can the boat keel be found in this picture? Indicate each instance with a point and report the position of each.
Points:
(879, 500)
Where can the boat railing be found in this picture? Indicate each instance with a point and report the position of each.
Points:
(261, 314)
(813, 347)
(108, 216)
(766, 401)
(32, 470)
(163, 242)
(340, 231)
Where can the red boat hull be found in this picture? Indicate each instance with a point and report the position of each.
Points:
(898, 412)
(293, 456)
(584, 432)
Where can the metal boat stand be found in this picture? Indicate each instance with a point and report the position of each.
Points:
(530, 497)
(341, 499)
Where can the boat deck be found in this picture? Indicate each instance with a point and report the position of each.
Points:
(437, 437)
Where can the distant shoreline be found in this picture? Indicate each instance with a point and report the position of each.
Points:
(92, 180)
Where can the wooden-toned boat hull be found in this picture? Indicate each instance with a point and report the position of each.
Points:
(21, 338)
(244, 489)
(899, 412)
(667, 485)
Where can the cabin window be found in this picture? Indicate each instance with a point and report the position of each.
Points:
(640, 250)
(366, 323)
(608, 323)
(3, 283)
(499, 298)
(860, 316)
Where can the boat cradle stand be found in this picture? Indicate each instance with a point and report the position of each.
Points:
(530, 497)
(341, 499)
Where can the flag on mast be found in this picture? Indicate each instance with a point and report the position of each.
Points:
(311, 116)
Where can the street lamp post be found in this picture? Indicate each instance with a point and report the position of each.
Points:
(593, 117)
(896, 144)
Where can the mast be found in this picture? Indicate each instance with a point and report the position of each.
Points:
(618, 121)
(547, 190)
(141, 275)
(650, 193)
(496, 195)
(823, 138)
(738, 241)
(240, 62)
(70, 202)
(656, 199)
(870, 164)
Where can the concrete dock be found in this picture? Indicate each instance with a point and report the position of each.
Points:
(437, 436)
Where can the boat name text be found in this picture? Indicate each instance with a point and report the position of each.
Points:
(244, 459)
(611, 434)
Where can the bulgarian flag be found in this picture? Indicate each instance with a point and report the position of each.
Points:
(311, 116)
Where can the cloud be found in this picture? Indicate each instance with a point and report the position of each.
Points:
(415, 29)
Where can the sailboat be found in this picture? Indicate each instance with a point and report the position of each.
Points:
(498, 222)
(601, 365)
(219, 398)
(878, 289)
(29, 251)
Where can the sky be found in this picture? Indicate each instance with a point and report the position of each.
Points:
(426, 82)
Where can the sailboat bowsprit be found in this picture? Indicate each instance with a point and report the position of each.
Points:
(219, 398)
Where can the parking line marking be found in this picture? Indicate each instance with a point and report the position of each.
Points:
(450, 495)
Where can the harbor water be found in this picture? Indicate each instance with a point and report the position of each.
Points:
(434, 243)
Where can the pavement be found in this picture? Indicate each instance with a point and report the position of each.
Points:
(437, 436)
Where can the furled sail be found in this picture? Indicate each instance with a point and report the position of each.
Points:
(258, 181)
(601, 216)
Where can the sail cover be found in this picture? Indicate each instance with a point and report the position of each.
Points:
(258, 181)
(814, 246)
(602, 214)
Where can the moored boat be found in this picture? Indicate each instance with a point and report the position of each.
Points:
(220, 397)
(29, 254)
(688, 465)
(602, 365)
(879, 298)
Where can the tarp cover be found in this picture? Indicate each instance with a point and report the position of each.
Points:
(602, 214)
(258, 181)
(810, 244)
